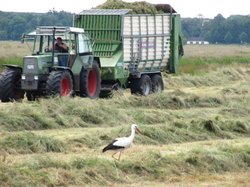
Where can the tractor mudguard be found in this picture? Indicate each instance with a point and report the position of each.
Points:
(13, 66)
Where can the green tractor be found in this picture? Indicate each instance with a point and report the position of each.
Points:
(48, 71)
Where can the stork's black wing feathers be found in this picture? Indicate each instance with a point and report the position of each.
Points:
(111, 146)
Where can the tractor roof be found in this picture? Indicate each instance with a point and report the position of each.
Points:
(48, 30)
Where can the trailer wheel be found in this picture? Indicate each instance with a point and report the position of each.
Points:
(141, 86)
(157, 84)
(60, 83)
(90, 83)
(10, 85)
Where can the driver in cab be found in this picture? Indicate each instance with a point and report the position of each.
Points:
(60, 46)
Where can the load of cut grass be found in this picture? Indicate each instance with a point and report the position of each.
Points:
(136, 7)
(28, 142)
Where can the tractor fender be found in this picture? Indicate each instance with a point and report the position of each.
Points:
(12, 66)
(56, 68)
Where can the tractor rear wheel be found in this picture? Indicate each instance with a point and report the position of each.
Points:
(60, 83)
(90, 83)
(141, 86)
(10, 85)
(157, 84)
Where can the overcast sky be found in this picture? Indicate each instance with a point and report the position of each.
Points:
(187, 8)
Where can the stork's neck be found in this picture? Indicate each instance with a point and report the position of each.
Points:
(132, 135)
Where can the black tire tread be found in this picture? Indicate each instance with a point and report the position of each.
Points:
(84, 82)
(7, 85)
(53, 85)
(157, 79)
(137, 85)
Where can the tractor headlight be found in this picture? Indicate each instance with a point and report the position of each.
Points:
(36, 77)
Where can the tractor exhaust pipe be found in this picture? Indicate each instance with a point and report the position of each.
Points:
(53, 45)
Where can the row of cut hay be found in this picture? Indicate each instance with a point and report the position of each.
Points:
(27, 142)
(218, 77)
(67, 112)
(175, 132)
(144, 165)
(58, 112)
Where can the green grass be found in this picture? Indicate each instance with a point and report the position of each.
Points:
(194, 65)
(13, 61)
(199, 126)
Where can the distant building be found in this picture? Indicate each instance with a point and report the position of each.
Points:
(197, 41)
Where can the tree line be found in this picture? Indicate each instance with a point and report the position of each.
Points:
(13, 25)
(234, 29)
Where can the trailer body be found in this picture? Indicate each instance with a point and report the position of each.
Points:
(132, 45)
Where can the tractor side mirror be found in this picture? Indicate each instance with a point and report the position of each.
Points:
(22, 38)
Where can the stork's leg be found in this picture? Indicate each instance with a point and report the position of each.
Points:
(120, 152)
(114, 155)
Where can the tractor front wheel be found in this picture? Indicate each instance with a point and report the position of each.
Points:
(60, 83)
(90, 83)
(10, 85)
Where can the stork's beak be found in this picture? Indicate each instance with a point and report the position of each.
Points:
(138, 131)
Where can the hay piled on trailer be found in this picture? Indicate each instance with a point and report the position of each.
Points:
(136, 7)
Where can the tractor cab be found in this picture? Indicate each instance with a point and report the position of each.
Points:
(44, 42)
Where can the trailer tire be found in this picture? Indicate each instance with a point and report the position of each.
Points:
(141, 86)
(90, 83)
(157, 84)
(60, 83)
(10, 85)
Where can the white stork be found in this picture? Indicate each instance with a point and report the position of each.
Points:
(119, 144)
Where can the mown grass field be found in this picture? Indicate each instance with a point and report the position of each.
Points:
(196, 133)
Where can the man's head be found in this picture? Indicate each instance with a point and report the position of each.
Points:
(58, 40)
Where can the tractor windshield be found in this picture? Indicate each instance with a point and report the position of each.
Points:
(44, 44)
